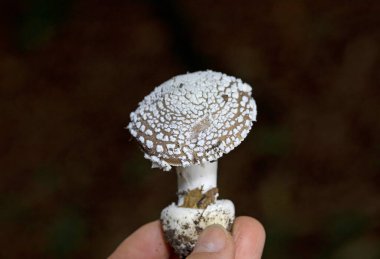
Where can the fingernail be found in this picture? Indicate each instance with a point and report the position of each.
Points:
(213, 239)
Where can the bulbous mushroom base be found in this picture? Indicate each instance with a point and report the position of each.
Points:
(182, 226)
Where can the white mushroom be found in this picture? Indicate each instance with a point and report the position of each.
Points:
(189, 122)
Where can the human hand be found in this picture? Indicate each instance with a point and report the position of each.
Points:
(247, 241)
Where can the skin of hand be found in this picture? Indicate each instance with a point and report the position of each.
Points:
(246, 242)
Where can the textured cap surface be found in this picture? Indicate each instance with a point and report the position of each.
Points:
(193, 118)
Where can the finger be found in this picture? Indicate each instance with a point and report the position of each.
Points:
(249, 237)
(146, 242)
(214, 243)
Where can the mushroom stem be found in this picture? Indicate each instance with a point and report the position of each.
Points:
(202, 177)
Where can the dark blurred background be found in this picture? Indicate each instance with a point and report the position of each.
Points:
(74, 185)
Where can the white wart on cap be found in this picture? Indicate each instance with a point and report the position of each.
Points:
(193, 118)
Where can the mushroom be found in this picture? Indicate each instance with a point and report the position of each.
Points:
(189, 122)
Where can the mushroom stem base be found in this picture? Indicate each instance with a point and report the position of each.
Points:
(182, 226)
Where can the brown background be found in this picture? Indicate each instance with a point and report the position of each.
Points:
(72, 183)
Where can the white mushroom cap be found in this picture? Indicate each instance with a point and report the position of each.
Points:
(193, 118)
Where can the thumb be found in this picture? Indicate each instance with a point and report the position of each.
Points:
(214, 242)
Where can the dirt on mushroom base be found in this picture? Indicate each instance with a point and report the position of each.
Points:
(196, 200)
(179, 238)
